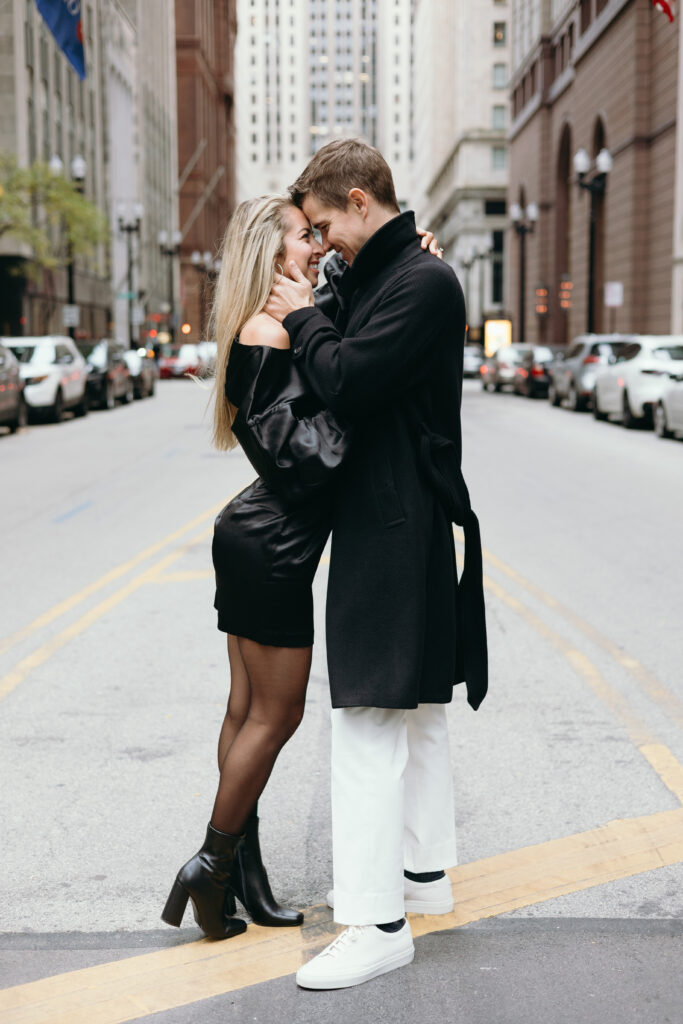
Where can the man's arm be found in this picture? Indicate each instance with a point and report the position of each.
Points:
(356, 374)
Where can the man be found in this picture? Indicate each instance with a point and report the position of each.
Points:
(400, 632)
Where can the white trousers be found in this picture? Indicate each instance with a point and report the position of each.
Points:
(392, 806)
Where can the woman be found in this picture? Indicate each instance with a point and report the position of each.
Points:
(267, 545)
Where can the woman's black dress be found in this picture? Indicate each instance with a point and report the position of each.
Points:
(268, 540)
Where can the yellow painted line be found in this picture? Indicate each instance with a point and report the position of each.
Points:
(21, 670)
(608, 694)
(666, 766)
(179, 976)
(114, 574)
(657, 692)
(185, 577)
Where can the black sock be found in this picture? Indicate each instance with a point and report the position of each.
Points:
(424, 876)
(393, 926)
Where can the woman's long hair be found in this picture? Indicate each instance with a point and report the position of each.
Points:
(253, 243)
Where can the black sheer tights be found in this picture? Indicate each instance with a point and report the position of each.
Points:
(265, 707)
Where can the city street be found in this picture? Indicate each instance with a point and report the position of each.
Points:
(113, 683)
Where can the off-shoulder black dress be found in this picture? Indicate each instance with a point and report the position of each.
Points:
(268, 540)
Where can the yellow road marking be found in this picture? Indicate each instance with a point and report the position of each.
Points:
(185, 577)
(666, 766)
(671, 704)
(114, 574)
(11, 680)
(121, 991)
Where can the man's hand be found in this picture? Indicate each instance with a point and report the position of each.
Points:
(289, 294)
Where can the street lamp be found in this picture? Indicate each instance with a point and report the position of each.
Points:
(203, 263)
(129, 223)
(524, 223)
(78, 172)
(594, 181)
(169, 245)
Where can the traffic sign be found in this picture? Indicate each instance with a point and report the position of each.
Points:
(71, 315)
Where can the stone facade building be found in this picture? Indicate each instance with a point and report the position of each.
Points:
(593, 75)
(461, 76)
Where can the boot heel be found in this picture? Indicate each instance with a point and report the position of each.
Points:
(175, 905)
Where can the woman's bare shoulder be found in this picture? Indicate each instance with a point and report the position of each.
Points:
(263, 330)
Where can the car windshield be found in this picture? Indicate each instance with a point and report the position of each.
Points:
(669, 352)
(605, 349)
(34, 353)
(542, 354)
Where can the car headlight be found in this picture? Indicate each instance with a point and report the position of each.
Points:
(36, 380)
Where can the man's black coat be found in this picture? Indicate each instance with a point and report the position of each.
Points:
(392, 365)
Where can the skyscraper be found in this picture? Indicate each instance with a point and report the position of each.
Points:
(309, 71)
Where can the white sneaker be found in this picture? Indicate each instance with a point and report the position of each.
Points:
(421, 897)
(360, 953)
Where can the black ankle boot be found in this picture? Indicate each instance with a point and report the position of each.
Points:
(251, 887)
(204, 880)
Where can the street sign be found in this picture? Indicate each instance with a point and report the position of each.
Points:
(71, 315)
(614, 294)
(125, 295)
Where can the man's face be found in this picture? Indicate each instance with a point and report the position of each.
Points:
(346, 231)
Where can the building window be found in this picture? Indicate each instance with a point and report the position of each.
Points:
(498, 158)
(586, 14)
(500, 76)
(499, 117)
(499, 33)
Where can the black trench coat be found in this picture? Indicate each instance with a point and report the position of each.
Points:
(400, 631)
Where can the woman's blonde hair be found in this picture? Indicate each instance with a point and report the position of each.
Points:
(252, 246)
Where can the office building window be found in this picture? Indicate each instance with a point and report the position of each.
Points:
(499, 118)
(498, 158)
(499, 33)
(500, 76)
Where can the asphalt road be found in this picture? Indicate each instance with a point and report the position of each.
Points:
(113, 680)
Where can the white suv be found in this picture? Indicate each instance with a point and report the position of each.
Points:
(54, 374)
(631, 386)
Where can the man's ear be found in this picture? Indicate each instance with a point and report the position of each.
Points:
(358, 201)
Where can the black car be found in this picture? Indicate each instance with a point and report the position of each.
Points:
(109, 378)
(532, 376)
(13, 413)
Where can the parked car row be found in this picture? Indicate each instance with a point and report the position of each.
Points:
(637, 379)
(42, 377)
(187, 360)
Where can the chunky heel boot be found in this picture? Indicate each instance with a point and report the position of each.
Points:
(205, 880)
(250, 884)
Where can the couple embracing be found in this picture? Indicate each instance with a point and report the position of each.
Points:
(347, 404)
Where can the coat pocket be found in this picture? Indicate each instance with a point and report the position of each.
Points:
(388, 502)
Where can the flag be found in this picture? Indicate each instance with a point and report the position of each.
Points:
(665, 7)
(63, 18)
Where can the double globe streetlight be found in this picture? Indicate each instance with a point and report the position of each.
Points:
(524, 222)
(169, 245)
(78, 171)
(594, 180)
(130, 219)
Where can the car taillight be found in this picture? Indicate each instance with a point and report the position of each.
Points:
(591, 359)
(537, 371)
(483, 369)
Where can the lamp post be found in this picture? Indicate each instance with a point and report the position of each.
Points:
(169, 245)
(594, 181)
(129, 224)
(524, 223)
(203, 263)
(78, 172)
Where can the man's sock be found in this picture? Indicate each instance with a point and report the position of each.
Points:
(393, 926)
(424, 876)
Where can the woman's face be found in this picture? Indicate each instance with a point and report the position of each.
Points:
(301, 245)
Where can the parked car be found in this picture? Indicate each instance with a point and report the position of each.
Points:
(633, 384)
(472, 360)
(178, 362)
(499, 369)
(109, 378)
(54, 373)
(207, 351)
(572, 378)
(532, 374)
(13, 413)
(143, 370)
(668, 412)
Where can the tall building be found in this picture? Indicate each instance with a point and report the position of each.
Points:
(205, 41)
(461, 73)
(309, 71)
(593, 148)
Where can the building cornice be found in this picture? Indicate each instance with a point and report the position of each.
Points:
(489, 136)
